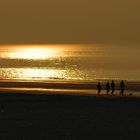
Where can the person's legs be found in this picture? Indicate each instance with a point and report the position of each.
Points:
(107, 92)
(122, 92)
(99, 91)
(112, 92)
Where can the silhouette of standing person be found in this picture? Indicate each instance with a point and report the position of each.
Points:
(107, 88)
(122, 86)
(99, 88)
(112, 87)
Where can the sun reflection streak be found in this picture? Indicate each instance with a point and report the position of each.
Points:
(32, 52)
(40, 73)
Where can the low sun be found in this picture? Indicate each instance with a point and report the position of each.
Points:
(34, 53)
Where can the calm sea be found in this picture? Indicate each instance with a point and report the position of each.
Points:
(70, 62)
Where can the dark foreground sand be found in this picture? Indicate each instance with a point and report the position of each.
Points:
(68, 117)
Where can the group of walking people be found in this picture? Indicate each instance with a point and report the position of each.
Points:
(111, 87)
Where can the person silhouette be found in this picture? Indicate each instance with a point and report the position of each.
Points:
(112, 87)
(122, 86)
(99, 88)
(107, 88)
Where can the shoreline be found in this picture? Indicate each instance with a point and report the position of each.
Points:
(73, 92)
(64, 84)
(64, 87)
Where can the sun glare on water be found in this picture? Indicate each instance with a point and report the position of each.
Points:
(35, 53)
(17, 56)
(29, 52)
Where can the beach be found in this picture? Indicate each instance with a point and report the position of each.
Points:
(67, 114)
(75, 87)
(69, 70)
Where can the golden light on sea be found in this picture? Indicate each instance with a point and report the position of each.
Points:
(32, 51)
(35, 53)
(40, 73)
(39, 61)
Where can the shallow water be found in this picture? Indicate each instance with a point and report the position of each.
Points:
(70, 62)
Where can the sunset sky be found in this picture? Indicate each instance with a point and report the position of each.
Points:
(69, 21)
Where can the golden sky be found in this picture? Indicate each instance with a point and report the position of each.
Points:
(69, 21)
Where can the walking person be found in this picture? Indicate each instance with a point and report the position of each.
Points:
(112, 87)
(99, 88)
(122, 87)
(107, 88)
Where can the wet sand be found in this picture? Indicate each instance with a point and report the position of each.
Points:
(68, 117)
(64, 84)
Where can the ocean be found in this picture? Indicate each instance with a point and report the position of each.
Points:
(88, 62)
